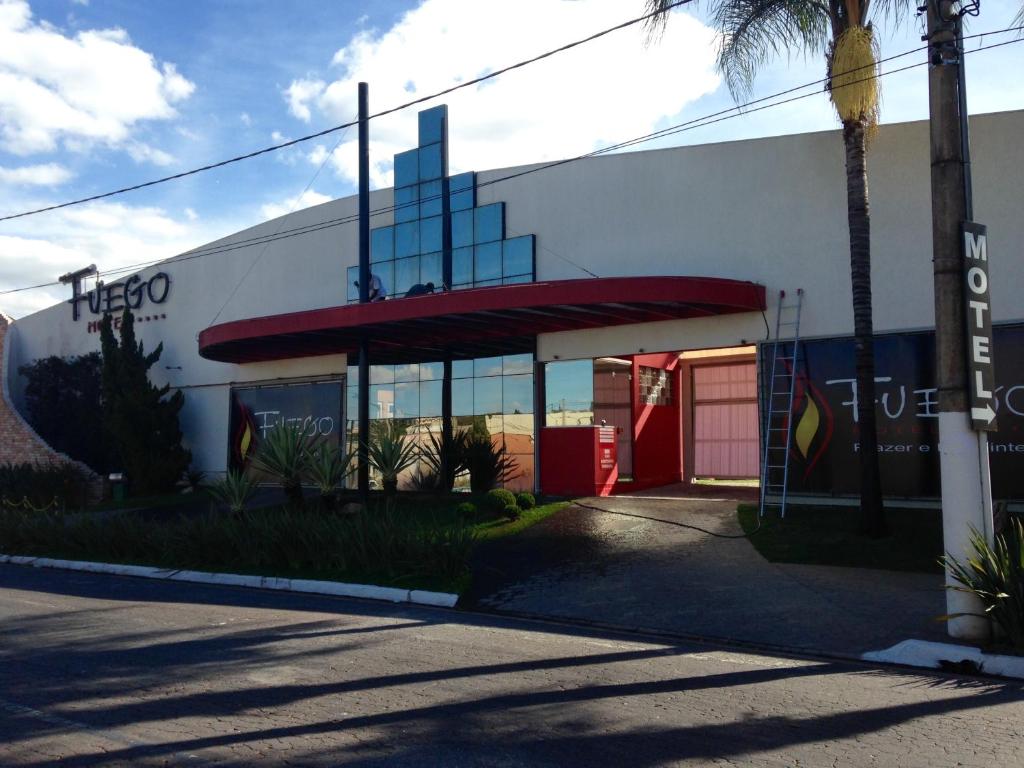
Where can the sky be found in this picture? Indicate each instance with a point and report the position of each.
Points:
(101, 94)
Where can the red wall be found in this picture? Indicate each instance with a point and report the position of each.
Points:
(657, 430)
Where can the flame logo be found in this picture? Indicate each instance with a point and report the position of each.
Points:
(245, 435)
(814, 424)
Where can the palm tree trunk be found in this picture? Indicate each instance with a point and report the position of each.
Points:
(872, 512)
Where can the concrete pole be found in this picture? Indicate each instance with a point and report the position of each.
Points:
(363, 458)
(963, 453)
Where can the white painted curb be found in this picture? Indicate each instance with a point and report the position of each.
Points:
(308, 586)
(928, 654)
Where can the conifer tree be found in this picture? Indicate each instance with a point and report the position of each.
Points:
(140, 419)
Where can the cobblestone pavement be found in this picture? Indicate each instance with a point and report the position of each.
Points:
(639, 567)
(110, 671)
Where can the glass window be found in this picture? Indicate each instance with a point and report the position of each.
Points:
(487, 395)
(489, 222)
(382, 244)
(406, 168)
(517, 256)
(432, 124)
(431, 165)
(407, 372)
(430, 269)
(352, 290)
(430, 198)
(431, 371)
(487, 366)
(569, 393)
(407, 239)
(430, 398)
(462, 229)
(462, 397)
(486, 283)
(462, 369)
(430, 234)
(381, 374)
(462, 190)
(385, 270)
(517, 363)
(406, 207)
(516, 279)
(462, 266)
(352, 404)
(407, 274)
(517, 393)
(487, 262)
(407, 400)
(382, 401)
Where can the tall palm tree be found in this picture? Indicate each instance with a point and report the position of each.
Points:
(752, 33)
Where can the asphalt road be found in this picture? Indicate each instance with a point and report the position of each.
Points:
(101, 670)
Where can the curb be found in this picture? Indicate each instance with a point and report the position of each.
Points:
(928, 654)
(306, 586)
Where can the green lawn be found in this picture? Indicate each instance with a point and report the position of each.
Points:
(829, 536)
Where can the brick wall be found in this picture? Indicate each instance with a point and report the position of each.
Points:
(19, 443)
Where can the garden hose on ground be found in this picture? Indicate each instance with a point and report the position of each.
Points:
(674, 522)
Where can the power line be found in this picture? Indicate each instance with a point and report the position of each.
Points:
(326, 131)
(700, 122)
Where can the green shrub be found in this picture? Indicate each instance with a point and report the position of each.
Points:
(497, 499)
(489, 465)
(466, 510)
(285, 453)
(995, 575)
(40, 486)
(512, 512)
(390, 452)
(445, 459)
(233, 490)
(526, 500)
(328, 466)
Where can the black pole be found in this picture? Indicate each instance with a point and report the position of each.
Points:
(363, 475)
(446, 279)
(965, 136)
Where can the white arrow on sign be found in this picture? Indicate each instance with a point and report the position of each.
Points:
(985, 414)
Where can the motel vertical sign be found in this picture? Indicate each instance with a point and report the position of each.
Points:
(978, 313)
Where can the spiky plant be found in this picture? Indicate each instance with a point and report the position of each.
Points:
(233, 490)
(445, 458)
(329, 465)
(284, 453)
(390, 452)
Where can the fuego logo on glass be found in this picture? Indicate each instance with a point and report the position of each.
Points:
(813, 424)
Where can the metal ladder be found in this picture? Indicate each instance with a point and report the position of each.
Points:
(777, 424)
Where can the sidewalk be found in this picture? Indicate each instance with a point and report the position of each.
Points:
(642, 570)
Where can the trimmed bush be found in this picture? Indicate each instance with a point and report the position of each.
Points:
(42, 486)
(498, 499)
(512, 512)
(525, 500)
(466, 510)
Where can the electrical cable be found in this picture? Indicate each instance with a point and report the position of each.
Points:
(326, 131)
(674, 522)
(710, 119)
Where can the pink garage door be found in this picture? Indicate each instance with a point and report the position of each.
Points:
(725, 420)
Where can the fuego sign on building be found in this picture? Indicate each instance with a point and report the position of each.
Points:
(978, 311)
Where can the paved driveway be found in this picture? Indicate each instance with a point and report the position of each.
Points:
(641, 568)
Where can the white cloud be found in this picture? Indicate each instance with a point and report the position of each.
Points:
(613, 88)
(46, 175)
(307, 199)
(299, 94)
(93, 87)
(143, 153)
(191, 214)
(246, 119)
(110, 235)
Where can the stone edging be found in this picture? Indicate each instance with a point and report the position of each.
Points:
(929, 654)
(307, 586)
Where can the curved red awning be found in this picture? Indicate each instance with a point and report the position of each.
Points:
(476, 322)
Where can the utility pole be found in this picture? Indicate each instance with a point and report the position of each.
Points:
(363, 456)
(963, 446)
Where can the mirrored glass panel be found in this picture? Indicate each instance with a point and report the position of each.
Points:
(431, 371)
(407, 274)
(487, 262)
(382, 401)
(517, 363)
(517, 256)
(462, 397)
(430, 198)
(430, 234)
(462, 369)
(462, 189)
(516, 279)
(431, 124)
(351, 277)
(430, 398)
(489, 222)
(380, 374)
(462, 266)
(407, 400)
(517, 394)
(405, 372)
(407, 168)
(487, 366)
(406, 207)
(385, 270)
(430, 269)
(487, 395)
(569, 393)
(430, 162)
(462, 229)
(407, 239)
(382, 244)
